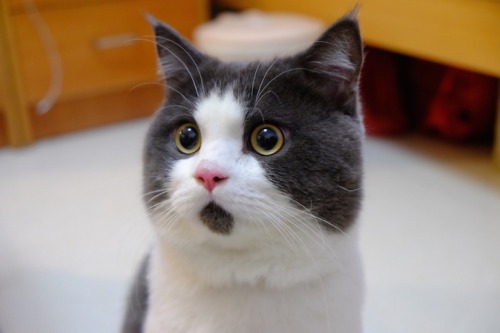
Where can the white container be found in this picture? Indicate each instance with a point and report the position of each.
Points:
(255, 35)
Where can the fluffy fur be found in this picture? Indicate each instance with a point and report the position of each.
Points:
(279, 252)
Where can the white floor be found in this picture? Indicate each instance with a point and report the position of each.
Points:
(72, 228)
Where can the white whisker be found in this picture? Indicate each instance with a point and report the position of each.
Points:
(263, 79)
(258, 98)
(177, 58)
(138, 85)
(255, 74)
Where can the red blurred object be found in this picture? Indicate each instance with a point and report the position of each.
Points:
(420, 86)
(464, 106)
(380, 94)
(400, 93)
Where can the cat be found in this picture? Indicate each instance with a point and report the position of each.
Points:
(253, 183)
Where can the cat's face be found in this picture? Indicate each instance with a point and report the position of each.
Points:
(250, 151)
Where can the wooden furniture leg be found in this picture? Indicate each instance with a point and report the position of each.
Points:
(496, 146)
(19, 131)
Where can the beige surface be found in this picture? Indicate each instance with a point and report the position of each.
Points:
(73, 227)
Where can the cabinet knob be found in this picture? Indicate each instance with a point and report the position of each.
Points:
(115, 41)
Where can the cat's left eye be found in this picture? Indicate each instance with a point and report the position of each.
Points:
(267, 139)
(187, 138)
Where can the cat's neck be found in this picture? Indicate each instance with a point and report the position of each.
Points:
(265, 263)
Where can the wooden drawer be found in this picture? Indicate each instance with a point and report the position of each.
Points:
(18, 5)
(103, 82)
(89, 41)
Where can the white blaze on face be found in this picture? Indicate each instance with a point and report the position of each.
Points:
(220, 119)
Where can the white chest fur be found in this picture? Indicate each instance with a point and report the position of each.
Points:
(329, 300)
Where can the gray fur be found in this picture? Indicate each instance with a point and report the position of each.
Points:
(312, 96)
(137, 301)
(217, 218)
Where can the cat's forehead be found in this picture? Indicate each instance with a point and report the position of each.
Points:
(242, 78)
(220, 113)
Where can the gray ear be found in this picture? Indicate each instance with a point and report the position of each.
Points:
(179, 60)
(334, 61)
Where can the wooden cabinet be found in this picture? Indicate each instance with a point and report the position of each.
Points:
(102, 63)
(460, 33)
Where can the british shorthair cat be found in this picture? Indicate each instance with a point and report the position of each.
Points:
(253, 183)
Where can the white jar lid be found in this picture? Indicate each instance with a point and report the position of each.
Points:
(254, 35)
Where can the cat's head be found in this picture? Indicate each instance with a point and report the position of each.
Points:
(240, 152)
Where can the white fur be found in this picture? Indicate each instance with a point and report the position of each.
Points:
(277, 271)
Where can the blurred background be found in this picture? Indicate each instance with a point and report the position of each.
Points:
(79, 82)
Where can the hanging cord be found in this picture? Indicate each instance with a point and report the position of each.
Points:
(55, 63)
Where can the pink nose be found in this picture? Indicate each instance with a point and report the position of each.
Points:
(209, 178)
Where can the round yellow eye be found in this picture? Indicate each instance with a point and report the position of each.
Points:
(187, 138)
(267, 139)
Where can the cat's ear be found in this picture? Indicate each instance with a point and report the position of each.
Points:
(179, 60)
(333, 63)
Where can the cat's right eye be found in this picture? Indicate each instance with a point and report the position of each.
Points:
(267, 139)
(187, 138)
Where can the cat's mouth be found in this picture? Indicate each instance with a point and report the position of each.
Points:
(217, 218)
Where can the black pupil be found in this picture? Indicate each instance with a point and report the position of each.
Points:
(267, 138)
(188, 137)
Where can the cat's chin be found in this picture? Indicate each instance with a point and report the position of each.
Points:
(216, 218)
